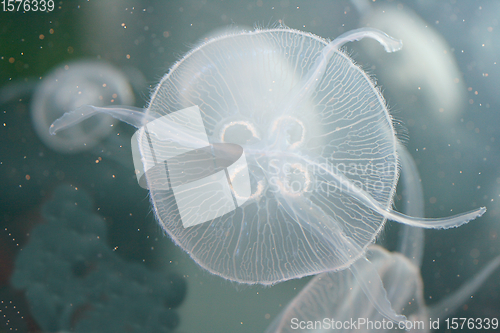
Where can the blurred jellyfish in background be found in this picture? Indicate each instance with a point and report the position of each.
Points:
(74, 282)
(425, 71)
(70, 86)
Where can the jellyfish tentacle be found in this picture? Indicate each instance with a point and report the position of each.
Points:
(454, 221)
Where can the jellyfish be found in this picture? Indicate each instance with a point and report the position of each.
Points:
(70, 86)
(316, 183)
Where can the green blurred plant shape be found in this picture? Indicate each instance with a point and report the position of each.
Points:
(74, 282)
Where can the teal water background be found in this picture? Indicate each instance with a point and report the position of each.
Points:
(457, 157)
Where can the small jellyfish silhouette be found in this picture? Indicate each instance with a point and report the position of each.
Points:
(320, 157)
(70, 86)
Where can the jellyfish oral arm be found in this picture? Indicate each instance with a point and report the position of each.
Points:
(390, 44)
(370, 282)
(337, 177)
(435, 223)
(363, 270)
(135, 117)
(132, 116)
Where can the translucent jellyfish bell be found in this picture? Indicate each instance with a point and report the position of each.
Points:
(70, 86)
(319, 151)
